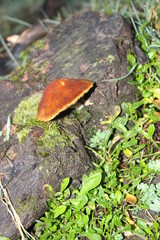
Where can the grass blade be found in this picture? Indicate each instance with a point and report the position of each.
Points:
(8, 51)
(8, 129)
(121, 78)
(134, 25)
(16, 20)
(135, 12)
(51, 21)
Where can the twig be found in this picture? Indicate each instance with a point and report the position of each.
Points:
(7, 202)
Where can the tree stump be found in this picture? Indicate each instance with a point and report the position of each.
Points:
(89, 46)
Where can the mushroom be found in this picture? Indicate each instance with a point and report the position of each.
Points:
(59, 95)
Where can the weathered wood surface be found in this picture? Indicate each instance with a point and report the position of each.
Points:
(89, 46)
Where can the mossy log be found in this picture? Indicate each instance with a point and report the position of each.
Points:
(89, 46)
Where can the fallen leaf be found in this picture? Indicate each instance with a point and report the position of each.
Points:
(157, 103)
(157, 114)
(131, 198)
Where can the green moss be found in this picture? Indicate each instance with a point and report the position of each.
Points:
(39, 66)
(52, 137)
(25, 205)
(82, 115)
(40, 44)
(26, 112)
(16, 76)
(67, 65)
(23, 134)
(111, 58)
(20, 71)
(25, 117)
(47, 167)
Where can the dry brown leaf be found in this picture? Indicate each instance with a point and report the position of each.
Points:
(131, 198)
(157, 114)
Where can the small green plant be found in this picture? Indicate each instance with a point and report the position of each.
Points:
(154, 166)
(150, 195)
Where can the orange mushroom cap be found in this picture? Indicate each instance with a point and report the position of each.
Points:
(59, 95)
